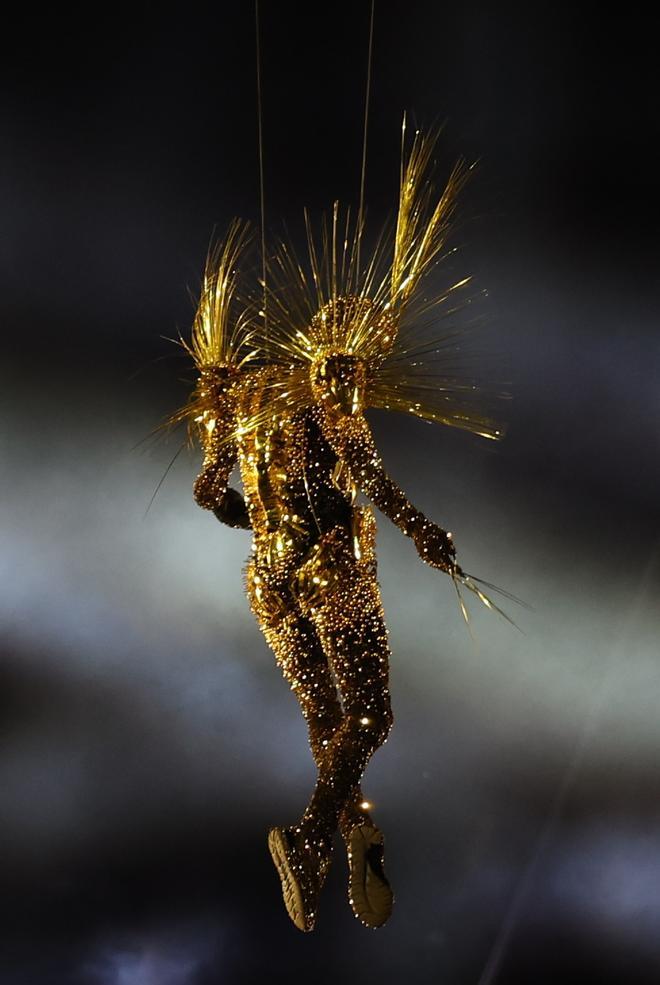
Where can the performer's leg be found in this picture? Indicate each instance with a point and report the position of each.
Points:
(302, 862)
(353, 632)
(306, 668)
(351, 627)
(303, 663)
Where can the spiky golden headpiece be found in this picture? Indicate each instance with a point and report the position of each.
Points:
(331, 303)
(222, 330)
(336, 303)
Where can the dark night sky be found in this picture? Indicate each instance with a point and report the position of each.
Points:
(148, 740)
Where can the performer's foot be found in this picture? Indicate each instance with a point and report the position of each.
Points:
(369, 892)
(302, 866)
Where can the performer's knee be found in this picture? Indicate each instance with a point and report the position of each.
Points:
(376, 722)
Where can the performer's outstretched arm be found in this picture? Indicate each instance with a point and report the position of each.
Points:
(352, 439)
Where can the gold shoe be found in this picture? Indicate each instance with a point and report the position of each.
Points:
(369, 892)
(302, 868)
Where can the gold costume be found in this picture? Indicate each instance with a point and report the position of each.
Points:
(283, 384)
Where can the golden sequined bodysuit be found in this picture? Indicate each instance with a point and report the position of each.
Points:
(312, 581)
(312, 586)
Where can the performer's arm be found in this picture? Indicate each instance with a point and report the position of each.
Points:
(232, 510)
(211, 489)
(358, 450)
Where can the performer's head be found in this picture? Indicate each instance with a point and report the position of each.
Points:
(350, 336)
(339, 382)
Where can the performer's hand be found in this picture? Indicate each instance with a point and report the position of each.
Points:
(232, 510)
(435, 547)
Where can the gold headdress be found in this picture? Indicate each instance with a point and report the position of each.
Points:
(221, 330)
(222, 327)
(332, 305)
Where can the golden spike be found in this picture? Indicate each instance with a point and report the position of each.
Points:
(421, 227)
(219, 330)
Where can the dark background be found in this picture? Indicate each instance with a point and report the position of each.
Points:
(148, 741)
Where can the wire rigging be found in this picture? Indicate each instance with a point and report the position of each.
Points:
(261, 167)
(364, 139)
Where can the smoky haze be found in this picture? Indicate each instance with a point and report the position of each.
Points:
(149, 741)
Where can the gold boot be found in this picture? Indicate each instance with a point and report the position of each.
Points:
(302, 868)
(369, 892)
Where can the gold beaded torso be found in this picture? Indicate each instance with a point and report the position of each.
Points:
(300, 495)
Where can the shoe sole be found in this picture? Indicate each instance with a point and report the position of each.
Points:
(369, 893)
(291, 891)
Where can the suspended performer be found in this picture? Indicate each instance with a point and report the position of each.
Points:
(286, 373)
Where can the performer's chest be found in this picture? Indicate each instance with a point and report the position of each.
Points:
(291, 474)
